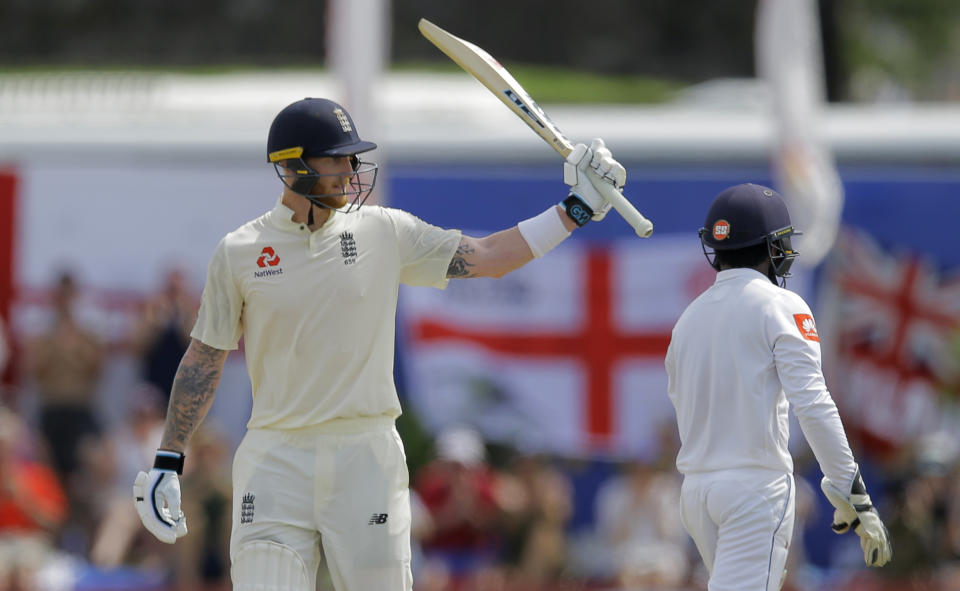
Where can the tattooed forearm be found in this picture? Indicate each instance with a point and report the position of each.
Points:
(193, 389)
(460, 265)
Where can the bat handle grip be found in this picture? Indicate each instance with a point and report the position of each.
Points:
(642, 226)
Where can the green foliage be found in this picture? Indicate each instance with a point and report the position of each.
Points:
(615, 51)
(553, 85)
(909, 43)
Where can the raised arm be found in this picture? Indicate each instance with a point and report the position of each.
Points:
(585, 169)
(497, 254)
(193, 390)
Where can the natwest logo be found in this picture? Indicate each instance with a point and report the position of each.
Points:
(268, 257)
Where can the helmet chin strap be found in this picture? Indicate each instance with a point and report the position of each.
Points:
(772, 275)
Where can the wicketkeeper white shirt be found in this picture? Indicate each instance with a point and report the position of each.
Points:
(317, 310)
(741, 355)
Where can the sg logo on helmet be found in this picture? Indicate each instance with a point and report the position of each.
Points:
(721, 229)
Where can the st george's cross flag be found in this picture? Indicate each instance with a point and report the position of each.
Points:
(564, 355)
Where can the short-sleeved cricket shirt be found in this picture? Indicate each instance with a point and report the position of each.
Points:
(741, 355)
(317, 310)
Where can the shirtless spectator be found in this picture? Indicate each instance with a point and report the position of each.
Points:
(65, 364)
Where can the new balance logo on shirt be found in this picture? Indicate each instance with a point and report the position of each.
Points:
(378, 519)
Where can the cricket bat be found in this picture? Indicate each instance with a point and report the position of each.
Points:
(488, 71)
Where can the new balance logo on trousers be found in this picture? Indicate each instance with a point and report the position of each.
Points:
(378, 519)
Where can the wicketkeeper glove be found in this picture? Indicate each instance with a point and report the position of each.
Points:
(585, 170)
(156, 495)
(856, 511)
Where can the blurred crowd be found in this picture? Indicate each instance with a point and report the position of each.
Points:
(486, 516)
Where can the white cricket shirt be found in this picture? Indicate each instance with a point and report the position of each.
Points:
(741, 355)
(318, 310)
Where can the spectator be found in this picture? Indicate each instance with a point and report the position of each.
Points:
(536, 546)
(924, 507)
(459, 490)
(203, 558)
(65, 363)
(164, 333)
(119, 537)
(200, 561)
(32, 507)
(639, 522)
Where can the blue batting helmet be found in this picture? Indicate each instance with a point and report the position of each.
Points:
(317, 127)
(314, 127)
(747, 215)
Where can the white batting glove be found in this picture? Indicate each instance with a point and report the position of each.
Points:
(583, 171)
(156, 495)
(608, 169)
(856, 511)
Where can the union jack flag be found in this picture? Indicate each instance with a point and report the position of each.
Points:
(889, 324)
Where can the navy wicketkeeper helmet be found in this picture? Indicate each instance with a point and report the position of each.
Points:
(747, 215)
(316, 127)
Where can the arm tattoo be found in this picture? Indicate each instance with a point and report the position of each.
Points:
(192, 394)
(459, 265)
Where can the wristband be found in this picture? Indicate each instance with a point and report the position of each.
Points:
(577, 210)
(543, 232)
(169, 460)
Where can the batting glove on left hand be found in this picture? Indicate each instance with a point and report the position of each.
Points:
(856, 511)
(586, 170)
(156, 495)
(603, 164)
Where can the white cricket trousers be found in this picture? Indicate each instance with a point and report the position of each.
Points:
(742, 524)
(343, 484)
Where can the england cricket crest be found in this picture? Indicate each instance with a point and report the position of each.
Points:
(342, 119)
(348, 248)
(246, 508)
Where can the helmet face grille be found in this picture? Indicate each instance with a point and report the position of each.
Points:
(782, 254)
(301, 179)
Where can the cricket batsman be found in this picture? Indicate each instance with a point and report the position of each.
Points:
(311, 286)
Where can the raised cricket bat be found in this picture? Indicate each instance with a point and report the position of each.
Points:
(482, 66)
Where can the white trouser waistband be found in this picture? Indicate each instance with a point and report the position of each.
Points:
(338, 426)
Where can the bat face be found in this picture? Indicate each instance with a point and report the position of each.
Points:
(488, 71)
(537, 119)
